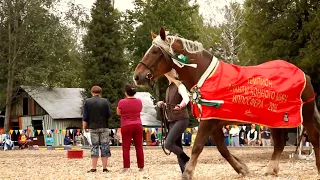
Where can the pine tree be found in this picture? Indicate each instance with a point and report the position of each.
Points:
(177, 16)
(36, 49)
(104, 62)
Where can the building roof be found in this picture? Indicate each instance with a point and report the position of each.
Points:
(59, 103)
(66, 103)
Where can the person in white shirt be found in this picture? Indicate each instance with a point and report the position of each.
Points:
(252, 136)
(234, 132)
(2, 136)
(171, 76)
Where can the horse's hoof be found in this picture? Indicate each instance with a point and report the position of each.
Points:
(186, 176)
(273, 172)
(244, 172)
(270, 174)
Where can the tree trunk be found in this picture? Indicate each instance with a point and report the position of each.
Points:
(11, 53)
(8, 104)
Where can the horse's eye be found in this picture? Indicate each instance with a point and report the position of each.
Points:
(154, 52)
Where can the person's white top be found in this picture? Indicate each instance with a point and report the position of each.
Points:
(184, 94)
(181, 88)
(255, 135)
(1, 138)
(234, 131)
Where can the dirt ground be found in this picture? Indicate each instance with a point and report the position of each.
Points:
(54, 164)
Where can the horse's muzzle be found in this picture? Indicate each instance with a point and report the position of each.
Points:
(142, 79)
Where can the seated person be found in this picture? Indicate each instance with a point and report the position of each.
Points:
(7, 142)
(2, 136)
(154, 139)
(67, 140)
(49, 140)
(23, 140)
(78, 139)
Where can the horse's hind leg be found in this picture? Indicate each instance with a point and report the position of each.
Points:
(205, 128)
(309, 122)
(279, 142)
(218, 138)
(311, 119)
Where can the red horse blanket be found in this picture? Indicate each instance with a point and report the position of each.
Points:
(267, 94)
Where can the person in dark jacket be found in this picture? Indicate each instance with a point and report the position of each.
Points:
(176, 101)
(96, 112)
(154, 139)
(67, 140)
(242, 135)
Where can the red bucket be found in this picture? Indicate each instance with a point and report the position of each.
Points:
(75, 154)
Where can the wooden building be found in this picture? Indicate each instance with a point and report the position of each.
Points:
(40, 108)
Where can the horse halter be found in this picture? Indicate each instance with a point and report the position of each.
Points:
(153, 65)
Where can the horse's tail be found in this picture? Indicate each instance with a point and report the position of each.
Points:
(316, 121)
(316, 118)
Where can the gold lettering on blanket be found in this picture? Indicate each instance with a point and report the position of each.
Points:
(273, 107)
(259, 93)
(260, 81)
(245, 100)
(258, 97)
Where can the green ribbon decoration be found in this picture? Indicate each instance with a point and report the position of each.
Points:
(196, 98)
(214, 104)
(182, 59)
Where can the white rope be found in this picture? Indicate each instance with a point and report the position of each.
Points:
(212, 67)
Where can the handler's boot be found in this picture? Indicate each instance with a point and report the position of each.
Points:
(182, 160)
(92, 170)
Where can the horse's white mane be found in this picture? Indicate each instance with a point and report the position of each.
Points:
(188, 45)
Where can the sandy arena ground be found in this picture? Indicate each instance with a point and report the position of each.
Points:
(54, 164)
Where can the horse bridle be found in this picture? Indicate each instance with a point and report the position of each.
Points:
(154, 64)
(149, 76)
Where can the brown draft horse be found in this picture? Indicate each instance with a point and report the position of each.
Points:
(158, 61)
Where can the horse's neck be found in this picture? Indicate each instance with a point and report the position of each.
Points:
(189, 75)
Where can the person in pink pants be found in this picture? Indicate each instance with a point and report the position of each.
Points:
(129, 110)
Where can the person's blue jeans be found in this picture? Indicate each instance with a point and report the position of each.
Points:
(226, 139)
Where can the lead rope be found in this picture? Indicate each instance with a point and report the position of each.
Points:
(164, 129)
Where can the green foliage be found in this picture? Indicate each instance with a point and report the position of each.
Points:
(224, 38)
(283, 29)
(45, 51)
(177, 16)
(104, 60)
(38, 49)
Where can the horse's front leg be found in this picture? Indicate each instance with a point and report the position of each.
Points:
(279, 143)
(237, 165)
(205, 128)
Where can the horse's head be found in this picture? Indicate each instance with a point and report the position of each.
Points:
(155, 63)
(171, 52)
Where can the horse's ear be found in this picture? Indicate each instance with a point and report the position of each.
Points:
(163, 33)
(153, 35)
